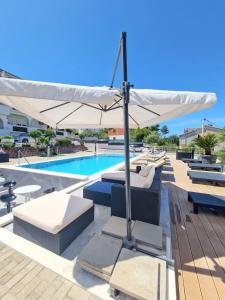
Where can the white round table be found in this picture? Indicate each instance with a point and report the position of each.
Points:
(27, 190)
(2, 180)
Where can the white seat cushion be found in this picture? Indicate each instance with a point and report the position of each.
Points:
(149, 178)
(117, 175)
(136, 180)
(53, 212)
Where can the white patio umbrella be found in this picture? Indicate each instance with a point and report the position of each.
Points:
(72, 106)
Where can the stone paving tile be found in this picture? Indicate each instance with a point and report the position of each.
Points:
(22, 278)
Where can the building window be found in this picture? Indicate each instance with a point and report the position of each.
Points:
(19, 129)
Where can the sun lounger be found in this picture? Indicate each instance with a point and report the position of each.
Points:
(207, 177)
(205, 200)
(54, 220)
(206, 167)
(150, 158)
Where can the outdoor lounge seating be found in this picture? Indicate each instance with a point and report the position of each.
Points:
(4, 157)
(145, 195)
(205, 200)
(99, 192)
(154, 157)
(54, 220)
(180, 154)
(206, 167)
(207, 177)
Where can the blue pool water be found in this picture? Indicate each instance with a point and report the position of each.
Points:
(86, 165)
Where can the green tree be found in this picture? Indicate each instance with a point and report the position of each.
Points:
(81, 135)
(173, 139)
(35, 134)
(155, 128)
(102, 134)
(207, 142)
(152, 138)
(164, 130)
(138, 135)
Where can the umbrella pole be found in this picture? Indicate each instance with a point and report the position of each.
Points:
(128, 241)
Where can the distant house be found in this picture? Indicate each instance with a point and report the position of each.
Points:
(116, 133)
(192, 133)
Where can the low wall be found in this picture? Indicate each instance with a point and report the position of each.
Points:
(46, 181)
(31, 151)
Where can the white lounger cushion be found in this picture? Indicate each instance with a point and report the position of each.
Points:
(52, 212)
(136, 180)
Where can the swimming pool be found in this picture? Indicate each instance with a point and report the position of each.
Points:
(86, 165)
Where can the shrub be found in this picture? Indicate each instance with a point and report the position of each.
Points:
(64, 143)
(221, 155)
(7, 141)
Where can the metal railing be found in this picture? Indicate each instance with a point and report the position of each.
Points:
(21, 155)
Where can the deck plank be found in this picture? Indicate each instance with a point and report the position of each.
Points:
(198, 240)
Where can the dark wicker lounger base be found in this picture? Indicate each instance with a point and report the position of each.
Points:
(206, 167)
(191, 160)
(207, 177)
(56, 243)
(205, 200)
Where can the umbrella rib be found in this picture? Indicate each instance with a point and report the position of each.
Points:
(116, 102)
(53, 107)
(69, 114)
(133, 120)
(153, 112)
(94, 107)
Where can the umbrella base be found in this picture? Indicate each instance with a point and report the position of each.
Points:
(129, 244)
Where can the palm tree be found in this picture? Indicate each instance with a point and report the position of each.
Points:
(164, 130)
(35, 134)
(207, 142)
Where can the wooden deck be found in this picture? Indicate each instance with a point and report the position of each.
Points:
(22, 278)
(198, 240)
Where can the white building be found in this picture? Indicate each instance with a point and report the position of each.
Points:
(13, 122)
(191, 134)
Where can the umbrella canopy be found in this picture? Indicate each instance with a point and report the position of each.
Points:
(71, 106)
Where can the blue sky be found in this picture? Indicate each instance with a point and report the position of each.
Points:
(175, 45)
